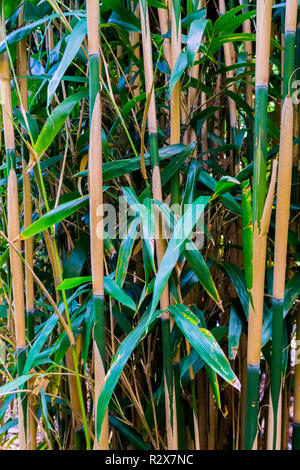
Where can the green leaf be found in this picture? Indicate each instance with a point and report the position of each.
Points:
(54, 216)
(182, 232)
(110, 287)
(200, 268)
(125, 15)
(234, 333)
(194, 39)
(204, 343)
(127, 433)
(224, 185)
(238, 281)
(56, 120)
(113, 289)
(73, 282)
(119, 362)
(75, 40)
(15, 384)
(180, 66)
(39, 342)
(125, 252)
(17, 35)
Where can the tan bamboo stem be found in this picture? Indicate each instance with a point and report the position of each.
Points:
(29, 284)
(13, 228)
(260, 235)
(163, 15)
(96, 209)
(283, 198)
(156, 189)
(259, 255)
(175, 95)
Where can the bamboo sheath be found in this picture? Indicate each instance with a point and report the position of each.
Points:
(96, 213)
(13, 228)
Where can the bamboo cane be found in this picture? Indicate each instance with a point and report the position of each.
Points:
(160, 246)
(283, 203)
(29, 285)
(96, 216)
(163, 15)
(261, 217)
(13, 227)
(281, 234)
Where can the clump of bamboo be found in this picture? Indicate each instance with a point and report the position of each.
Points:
(13, 228)
(96, 220)
(261, 218)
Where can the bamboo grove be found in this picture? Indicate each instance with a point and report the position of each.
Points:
(149, 225)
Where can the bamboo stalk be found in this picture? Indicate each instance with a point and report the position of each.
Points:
(283, 205)
(160, 246)
(281, 234)
(96, 216)
(261, 218)
(163, 15)
(29, 284)
(296, 416)
(13, 228)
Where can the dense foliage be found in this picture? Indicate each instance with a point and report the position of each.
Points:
(182, 108)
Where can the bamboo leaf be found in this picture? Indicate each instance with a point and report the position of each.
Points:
(204, 343)
(75, 40)
(118, 364)
(54, 216)
(56, 120)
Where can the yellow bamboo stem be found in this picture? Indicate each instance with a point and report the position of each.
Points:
(283, 198)
(96, 237)
(259, 257)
